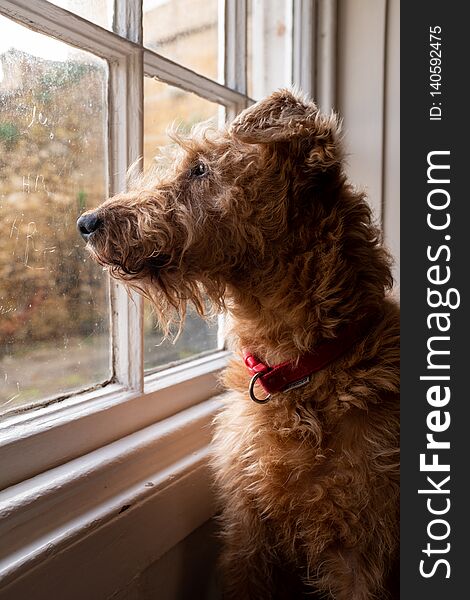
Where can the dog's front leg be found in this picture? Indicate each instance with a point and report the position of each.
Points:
(245, 577)
(246, 574)
(352, 575)
(246, 563)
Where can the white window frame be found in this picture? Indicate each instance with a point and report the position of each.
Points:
(123, 402)
(54, 454)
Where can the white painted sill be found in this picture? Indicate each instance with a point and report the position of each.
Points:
(41, 439)
(51, 515)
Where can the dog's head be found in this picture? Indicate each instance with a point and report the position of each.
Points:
(233, 209)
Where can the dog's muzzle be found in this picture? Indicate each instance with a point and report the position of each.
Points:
(88, 224)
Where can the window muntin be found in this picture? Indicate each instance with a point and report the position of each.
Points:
(185, 31)
(54, 325)
(165, 105)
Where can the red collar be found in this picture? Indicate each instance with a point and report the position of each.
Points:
(292, 374)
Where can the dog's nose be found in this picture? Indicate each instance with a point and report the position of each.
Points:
(88, 224)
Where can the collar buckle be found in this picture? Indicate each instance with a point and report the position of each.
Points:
(251, 389)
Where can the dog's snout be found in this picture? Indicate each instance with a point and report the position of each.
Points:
(88, 224)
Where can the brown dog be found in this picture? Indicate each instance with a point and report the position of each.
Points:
(260, 220)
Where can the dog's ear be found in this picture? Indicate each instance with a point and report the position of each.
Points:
(286, 117)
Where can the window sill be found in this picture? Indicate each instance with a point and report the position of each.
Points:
(131, 500)
(41, 439)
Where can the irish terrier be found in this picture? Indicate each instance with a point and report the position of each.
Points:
(260, 220)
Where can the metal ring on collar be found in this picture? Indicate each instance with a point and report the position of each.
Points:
(254, 379)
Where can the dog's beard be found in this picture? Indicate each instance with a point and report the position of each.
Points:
(130, 260)
(170, 294)
(163, 281)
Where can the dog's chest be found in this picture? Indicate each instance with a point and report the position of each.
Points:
(277, 463)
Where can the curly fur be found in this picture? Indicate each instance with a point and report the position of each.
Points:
(273, 233)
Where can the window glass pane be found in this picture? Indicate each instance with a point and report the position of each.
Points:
(197, 337)
(96, 11)
(186, 31)
(164, 105)
(53, 299)
(269, 46)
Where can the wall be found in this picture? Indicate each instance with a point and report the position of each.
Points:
(186, 572)
(368, 99)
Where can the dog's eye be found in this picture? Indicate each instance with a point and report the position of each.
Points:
(199, 170)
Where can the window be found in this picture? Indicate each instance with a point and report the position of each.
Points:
(86, 89)
(57, 320)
